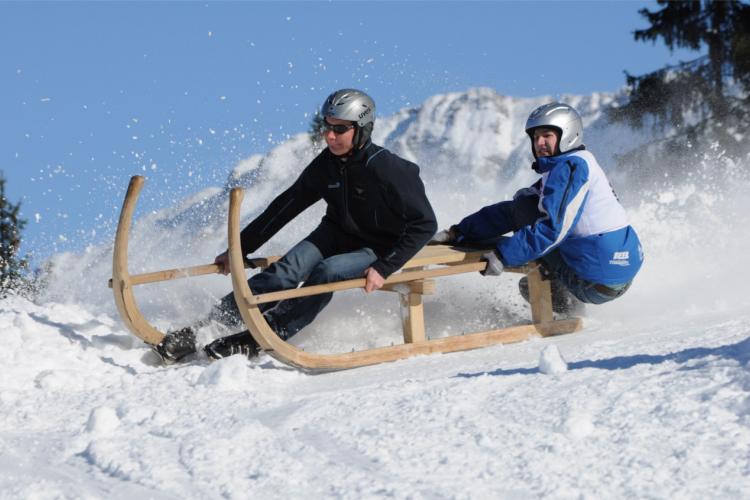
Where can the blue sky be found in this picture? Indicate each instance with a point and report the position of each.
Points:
(95, 92)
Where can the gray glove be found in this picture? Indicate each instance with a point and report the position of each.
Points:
(444, 237)
(494, 264)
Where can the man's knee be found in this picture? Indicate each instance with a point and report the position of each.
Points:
(269, 281)
(601, 294)
(324, 272)
(343, 266)
(293, 268)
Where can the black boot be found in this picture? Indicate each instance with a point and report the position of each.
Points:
(176, 345)
(563, 301)
(239, 343)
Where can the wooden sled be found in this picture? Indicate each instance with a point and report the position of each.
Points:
(412, 282)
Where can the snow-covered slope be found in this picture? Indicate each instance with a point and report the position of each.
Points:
(651, 400)
(644, 410)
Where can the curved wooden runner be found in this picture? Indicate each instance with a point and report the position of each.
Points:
(287, 353)
(122, 286)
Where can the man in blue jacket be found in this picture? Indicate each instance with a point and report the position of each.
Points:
(377, 218)
(570, 219)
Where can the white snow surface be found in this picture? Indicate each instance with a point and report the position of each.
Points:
(650, 400)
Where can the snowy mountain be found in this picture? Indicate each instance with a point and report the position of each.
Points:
(651, 400)
(471, 148)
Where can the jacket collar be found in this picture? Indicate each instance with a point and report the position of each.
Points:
(546, 163)
(355, 157)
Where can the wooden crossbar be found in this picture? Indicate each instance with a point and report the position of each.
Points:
(187, 272)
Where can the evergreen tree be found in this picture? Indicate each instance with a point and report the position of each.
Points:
(316, 127)
(713, 89)
(12, 266)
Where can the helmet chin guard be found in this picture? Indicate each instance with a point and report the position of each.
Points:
(561, 117)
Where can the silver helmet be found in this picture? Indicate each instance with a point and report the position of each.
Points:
(352, 105)
(562, 117)
(355, 106)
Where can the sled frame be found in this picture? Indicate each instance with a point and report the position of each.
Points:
(415, 280)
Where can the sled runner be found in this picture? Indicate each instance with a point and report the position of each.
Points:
(416, 279)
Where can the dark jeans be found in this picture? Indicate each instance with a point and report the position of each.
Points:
(303, 263)
(584, 290)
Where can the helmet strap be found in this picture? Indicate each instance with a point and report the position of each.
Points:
(357, 136)
(363, 135)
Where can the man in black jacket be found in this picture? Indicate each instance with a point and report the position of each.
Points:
(378, 217)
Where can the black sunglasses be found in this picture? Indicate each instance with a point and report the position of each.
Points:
(337, 129)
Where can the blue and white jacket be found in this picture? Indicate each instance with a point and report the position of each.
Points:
(581, 217)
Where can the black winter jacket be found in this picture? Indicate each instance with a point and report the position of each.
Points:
(374, 196)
